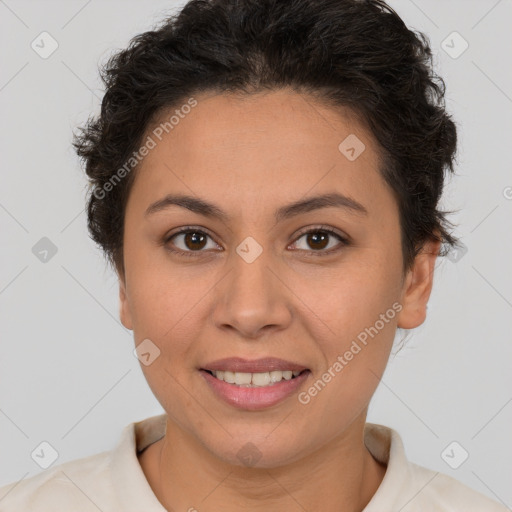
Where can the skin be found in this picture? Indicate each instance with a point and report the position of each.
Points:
(250, 156)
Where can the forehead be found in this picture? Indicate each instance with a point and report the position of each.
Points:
(228, 125)
(280, 145)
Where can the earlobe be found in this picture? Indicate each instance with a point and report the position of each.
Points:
(418, 286)
(124, 307)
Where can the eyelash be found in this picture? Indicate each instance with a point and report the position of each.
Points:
(344, 242)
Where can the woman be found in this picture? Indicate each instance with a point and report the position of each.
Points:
(265, 178)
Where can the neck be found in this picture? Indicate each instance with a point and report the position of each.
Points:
(340, 475)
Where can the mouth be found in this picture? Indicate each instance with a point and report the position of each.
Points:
(254, 385)
(255, 380)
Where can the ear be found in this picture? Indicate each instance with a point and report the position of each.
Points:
(417, 286)
(124, 305)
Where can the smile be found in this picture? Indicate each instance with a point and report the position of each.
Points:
(254, 385)
(262, 379)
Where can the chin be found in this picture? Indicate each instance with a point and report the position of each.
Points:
(260, 450)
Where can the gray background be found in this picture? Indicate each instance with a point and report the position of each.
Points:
(68, 374)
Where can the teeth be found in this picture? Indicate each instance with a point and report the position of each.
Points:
(287, 375)
(255, 379)
(261, 379)
(229, 377)
(275, 376)
(242, 378)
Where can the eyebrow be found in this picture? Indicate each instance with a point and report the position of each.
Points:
(207, 209)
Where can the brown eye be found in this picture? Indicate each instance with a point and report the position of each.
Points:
(318, 239)
(321, 241)
(194, 240)
(188, 241)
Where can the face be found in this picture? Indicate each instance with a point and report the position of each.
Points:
(317, 288)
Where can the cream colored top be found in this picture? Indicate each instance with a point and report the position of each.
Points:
(113, 481)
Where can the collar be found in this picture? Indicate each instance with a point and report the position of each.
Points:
(134, 492)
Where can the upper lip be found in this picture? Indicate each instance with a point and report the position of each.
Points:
(265, 364)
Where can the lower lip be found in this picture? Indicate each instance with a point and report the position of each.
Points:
(254, 398)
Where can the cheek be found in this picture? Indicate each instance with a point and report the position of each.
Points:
(352, 299)
(362, 319)
(360, 308)
(161, 294)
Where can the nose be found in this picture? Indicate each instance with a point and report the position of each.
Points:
(253, 298)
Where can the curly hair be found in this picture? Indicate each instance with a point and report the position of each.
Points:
(354, 54)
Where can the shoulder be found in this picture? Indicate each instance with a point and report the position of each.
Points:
(81, 484)
(447, 494)
(109, 481)
(409, 487)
